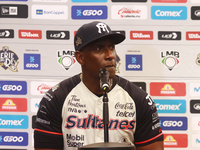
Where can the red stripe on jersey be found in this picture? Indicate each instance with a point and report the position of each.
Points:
(48, 132)
(149, 139)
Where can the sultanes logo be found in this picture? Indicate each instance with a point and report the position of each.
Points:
(66, 58)
(170, 59)
(8, 59)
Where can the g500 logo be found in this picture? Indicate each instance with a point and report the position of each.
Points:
(14, 138)
(8, 59)
(13, 87)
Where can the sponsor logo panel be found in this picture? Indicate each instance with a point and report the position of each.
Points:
(167, 89)
(134, 62)
(170, 106)
(8, 59)
(195, 89)
(129, 1)
(169, 35)
(35, 104)
(174, 123)
(170, 59)
(169, 12)
(169, 1)
(91, 1)
(141, 35)
(196, 140)
(32, 62)
(13, 87)
(55, 12)
(195, 1)
(13, 11)
(40, 88)
(14, 138)
(30, 34)
(13, 104)
(13, 121)
(195, 106)
(7, 33)
(57, 35)
(57, 1)
(129, 12)
(195, 12)
(176, 140)
(192, 35)
(66, 58)
(196, 123)
(89, 12)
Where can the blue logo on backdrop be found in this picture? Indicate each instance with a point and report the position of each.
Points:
(14, 138)
(173, 123)
(134, 62)
(14, 122)
(82, 1)
(169, 12)
(13, 87)
(89, 12)
(32, 61)
(170, 106)
(39, 12)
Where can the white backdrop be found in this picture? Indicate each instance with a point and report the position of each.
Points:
(161, 49)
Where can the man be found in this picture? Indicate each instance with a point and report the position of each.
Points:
(70, 114)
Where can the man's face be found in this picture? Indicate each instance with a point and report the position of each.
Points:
(100, 54)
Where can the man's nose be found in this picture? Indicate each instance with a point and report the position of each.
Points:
(109, 54)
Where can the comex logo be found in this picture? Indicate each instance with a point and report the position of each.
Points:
(168, 107)
(168, 13)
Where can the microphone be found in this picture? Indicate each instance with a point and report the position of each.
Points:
(104, 79)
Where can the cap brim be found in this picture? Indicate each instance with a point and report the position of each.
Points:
(116, 37)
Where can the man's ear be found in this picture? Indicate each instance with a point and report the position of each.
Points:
(79, 57)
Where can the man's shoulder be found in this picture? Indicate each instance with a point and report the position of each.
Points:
(67, 85)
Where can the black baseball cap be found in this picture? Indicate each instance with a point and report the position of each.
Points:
(95, 30)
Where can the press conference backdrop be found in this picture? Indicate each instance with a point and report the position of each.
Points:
(161, 54)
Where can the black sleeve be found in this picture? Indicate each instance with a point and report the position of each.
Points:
(48, 125)
(148, 128)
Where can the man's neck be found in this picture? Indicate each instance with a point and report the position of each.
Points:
(93, 84)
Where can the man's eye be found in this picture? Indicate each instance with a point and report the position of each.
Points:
(112, 47)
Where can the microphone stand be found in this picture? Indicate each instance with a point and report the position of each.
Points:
(106, 145)
(105, 116)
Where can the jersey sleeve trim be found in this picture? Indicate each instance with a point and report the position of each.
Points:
(149, 139)
(48, 132)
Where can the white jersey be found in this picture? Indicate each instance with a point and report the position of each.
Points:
(73, 116)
